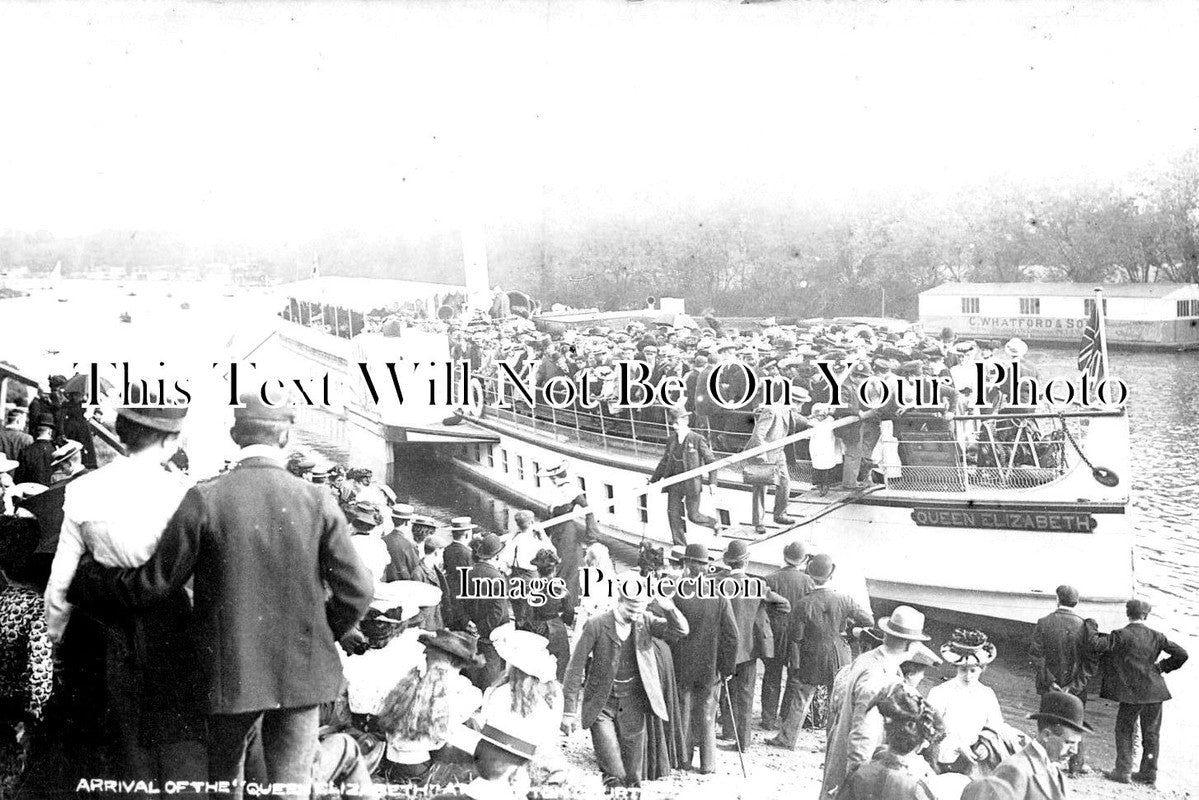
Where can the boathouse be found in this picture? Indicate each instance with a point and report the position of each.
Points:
(1153, 316)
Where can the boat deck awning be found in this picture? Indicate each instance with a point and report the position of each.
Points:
(364, 294)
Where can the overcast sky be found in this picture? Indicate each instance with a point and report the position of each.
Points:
(273, 122)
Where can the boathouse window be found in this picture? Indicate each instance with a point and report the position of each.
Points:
(520, 468)
(582, 484)
(969, 305)
(643, 507)
(726, 519)
(491, 455)
(1030, 305)
(504, 460)
(1188, 308)
(536, 475)
(1088, 305)
(611, 493)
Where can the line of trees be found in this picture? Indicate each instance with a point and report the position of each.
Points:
(748, 258)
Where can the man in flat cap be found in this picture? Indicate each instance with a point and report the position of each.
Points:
(262, 548)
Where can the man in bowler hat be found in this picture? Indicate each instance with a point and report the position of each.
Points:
(1035, 773)
(792, 582)
(702, 658)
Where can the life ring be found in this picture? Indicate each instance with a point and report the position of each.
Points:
(475, 399)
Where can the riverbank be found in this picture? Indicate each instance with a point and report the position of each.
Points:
(774, 774)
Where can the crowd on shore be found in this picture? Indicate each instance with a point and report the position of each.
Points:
(288, 622)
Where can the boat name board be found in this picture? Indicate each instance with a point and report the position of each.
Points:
(1055, 521)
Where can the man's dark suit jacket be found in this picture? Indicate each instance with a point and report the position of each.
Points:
(262, 546)
(1131, 670)
(48, 508)
(708, 651)
(598, 640)
(404, 558)
(745, 608)
(793, 584)
(487, 614)
(684, 456)
(1060, 652)
(817, 648)
(456, 554)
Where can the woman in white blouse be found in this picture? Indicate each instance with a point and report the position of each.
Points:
(965, 704)
(129, 675)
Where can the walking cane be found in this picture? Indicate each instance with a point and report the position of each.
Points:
(733, 720)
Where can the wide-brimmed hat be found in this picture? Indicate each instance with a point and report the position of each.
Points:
(364, 514)
(512, 733)
(905, 622)
(736, 551)
(489, 546)
(968, 647)
(525, 650)
(795, 554)
(461, 646)
(1015, 348)
(553, 470)
(65, 452)
(1063, 708)
(7, 464)
(411, 596)
(401, 512)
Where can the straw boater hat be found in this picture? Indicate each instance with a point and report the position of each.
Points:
(512, 733)
(7, 464)
(411, 596)
(526, 651)
(920, 653)
(459, 524)
(65, 452)
(905, 622)
(967, 648)
(364, 515)
(402, 512)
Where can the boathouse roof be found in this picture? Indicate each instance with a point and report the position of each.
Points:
(1063, 289)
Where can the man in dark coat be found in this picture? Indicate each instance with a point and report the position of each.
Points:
(792, 583)
(456, 560)
(1132, 676)
(623, 683)
(685, 451)
(754, 638)
(66, 464)
(75, 426)
(262, 548)
(405, 555)
(1035, 773)
(702, 658)
(1061, 655)
(38, 456)
(487, 610)
(47, 403)
(816, 646)
(14, 439)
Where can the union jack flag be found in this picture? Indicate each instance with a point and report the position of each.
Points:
(1090, 357)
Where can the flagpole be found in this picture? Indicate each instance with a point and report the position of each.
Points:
(1100, 312)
